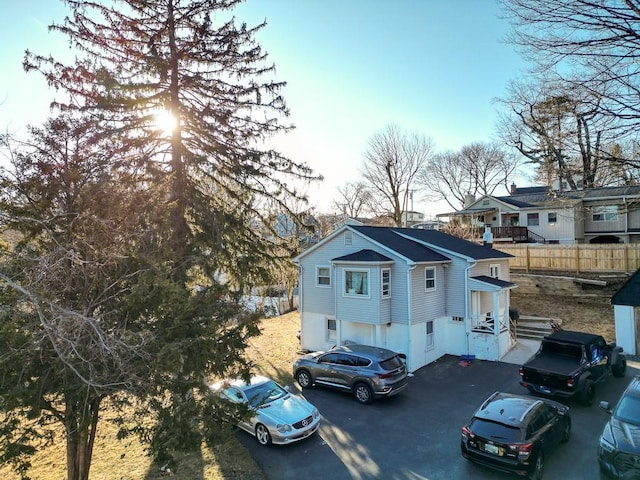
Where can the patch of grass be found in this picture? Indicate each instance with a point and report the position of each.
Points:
(273, 353)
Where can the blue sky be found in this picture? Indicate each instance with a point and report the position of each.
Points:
(351, 67)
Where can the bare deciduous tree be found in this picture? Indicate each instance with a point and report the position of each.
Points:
(477, 169)
(391, 162)
(353, 200)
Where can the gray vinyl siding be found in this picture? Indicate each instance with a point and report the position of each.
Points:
(618, 225)
(331, 301)
(562, 231)
(427, 305)
(484, 268)
(455, 288)
(634, 217)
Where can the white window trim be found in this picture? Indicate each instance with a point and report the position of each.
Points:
(431, 336)
(344, 282)
(431, 289)
(331, 337)
(318, 284)
(348, 237)
(605, 210)
(382, 283)
(494, 267)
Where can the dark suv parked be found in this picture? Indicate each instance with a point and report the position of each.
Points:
(365, 371)
(513, 433)
(619, 446)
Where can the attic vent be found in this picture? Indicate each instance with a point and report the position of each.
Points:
(485, 202)
(348, 238)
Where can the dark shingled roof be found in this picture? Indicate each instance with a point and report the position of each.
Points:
(407, 248)
(494, 281)
(514, 202)
(363, 256)
(629, 293)
(394, 238)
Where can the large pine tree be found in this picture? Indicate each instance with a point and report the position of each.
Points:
(134, 243)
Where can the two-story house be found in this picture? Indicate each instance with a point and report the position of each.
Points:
(419, 292)
(540, 215)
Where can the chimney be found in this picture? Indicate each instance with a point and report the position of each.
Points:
(469, 198)
(513, 189)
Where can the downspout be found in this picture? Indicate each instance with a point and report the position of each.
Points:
(467, 299)
(409, 316)
(335, 305)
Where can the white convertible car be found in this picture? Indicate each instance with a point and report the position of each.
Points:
(279, 417)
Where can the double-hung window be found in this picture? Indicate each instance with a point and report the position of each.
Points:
(385, 276)
(323, 276)
(494, 270)
(356, 282)
(429, 278)
(533, 219)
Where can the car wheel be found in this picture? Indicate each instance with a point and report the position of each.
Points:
(588, 393)
(566, 431)
(304, 378)
(362, 392)
(262, 435)
(538, 468)
(620, 368)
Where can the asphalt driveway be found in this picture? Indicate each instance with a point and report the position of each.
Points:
(416, 435)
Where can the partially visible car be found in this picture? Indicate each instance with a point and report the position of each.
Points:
(514, 433)
(278, 416)
(366, 371)
(619, 445)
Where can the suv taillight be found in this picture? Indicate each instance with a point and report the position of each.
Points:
(522, 449)
(466, 432)
(570, 383)
(521, 371)
(384, 375)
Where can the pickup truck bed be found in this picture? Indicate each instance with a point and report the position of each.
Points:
(554, 363)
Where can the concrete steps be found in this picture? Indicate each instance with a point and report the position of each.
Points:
(535, 328)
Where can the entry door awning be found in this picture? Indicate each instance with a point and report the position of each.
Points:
(484, 283)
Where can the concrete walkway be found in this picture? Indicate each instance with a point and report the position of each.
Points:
(523, 351)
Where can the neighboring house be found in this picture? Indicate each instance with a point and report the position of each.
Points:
(538, 215)
(626, 308)
(419, 292)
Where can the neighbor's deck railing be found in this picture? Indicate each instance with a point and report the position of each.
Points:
(573, 258)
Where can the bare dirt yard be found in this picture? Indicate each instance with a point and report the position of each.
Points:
(581, 306)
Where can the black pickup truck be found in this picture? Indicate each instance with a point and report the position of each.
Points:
(570, 364)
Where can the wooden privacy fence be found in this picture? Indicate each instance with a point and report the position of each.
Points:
(574, 258)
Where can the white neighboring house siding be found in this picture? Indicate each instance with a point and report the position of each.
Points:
(564, 230)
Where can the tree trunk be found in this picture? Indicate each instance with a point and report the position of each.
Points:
(81, 425)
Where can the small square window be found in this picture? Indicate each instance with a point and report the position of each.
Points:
(533, 219)
(323, 276)
(552, 218)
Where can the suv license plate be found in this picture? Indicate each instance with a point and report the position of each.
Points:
(494, 449)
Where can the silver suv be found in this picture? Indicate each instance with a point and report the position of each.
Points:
(365, 371)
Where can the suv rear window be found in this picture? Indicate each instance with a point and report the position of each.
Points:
(495, 430)
(391, 363)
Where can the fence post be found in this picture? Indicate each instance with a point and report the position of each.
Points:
(577, 258)
(526, 262)
(626, 258)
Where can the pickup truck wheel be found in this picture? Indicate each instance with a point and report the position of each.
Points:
(588, 393)
(620, 368)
